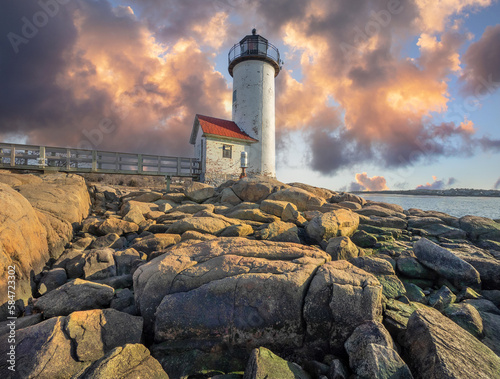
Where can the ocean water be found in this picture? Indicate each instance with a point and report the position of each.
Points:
(457, 206)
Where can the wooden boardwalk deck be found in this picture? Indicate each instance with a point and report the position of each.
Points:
(50, 159)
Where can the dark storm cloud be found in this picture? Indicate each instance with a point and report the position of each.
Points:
(28, 91)
(94, 65)
(330, 152)
(354, 186)
(482, 63)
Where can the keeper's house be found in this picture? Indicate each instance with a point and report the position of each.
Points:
(218, 145)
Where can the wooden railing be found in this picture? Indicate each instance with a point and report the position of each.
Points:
(46, 158)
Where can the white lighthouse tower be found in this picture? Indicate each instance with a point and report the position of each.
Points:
(253, 64)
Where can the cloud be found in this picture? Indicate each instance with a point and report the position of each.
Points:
(97, 64)
(387, 103)
(438, 184)
(148, 67)
(434, 15)
(482, 64)
(364, 183)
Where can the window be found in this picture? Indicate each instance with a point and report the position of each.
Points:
(227, 151)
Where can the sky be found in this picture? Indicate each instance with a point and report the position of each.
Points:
(373, 95)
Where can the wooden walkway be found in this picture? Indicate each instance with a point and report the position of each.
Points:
(50, 159)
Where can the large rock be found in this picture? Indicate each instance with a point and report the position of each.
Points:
(340, 298)
(467, 317)
(99, 264)
(446, 264)
(14, 180)
(42, 351)
(143, 208)
(256, 189)
(482, 260)
(480, 228)
(344, 196)
(438, 348)
(303, 199)
(148, 197)
(410, 267)
(341, 248)
(198, 224)
(228, 196)
(129, 361)
(63, 346)
(134, 215)
(73, 296)
(490, 316)
(376, 210)
(155, 242)
(237, 231)
(96, 332)
(224, 288)
(117, 226)
(274, 207)
(193, 208)
(63, 195)
(111, 240)
(278, 231)
(392, 207)
(38, 223)
(244, 302)
(59, 232)
(252, 215)
(52, 279)
(23, 243)
(264, 364)
(383, 222)
(440, 231)
(127, 260)
(446, 218)
(199, 192)
(372, 354)
(341, 222)
(442, 298)
(392, 287)
(320, 192)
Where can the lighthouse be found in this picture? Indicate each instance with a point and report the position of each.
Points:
(254, 64)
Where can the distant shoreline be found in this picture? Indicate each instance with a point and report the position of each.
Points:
(467, 192)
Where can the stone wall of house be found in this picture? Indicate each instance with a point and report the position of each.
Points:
(218, 168)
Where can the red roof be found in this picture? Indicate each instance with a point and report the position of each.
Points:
(224, 128)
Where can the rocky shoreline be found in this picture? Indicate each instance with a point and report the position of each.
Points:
(253, 279)
(467, 192)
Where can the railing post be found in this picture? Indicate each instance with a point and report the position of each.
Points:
(169, 180)
(68, 159)
(178, 166)
(94, 160)
(12, 156)
(139, 163)
(41, 157)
